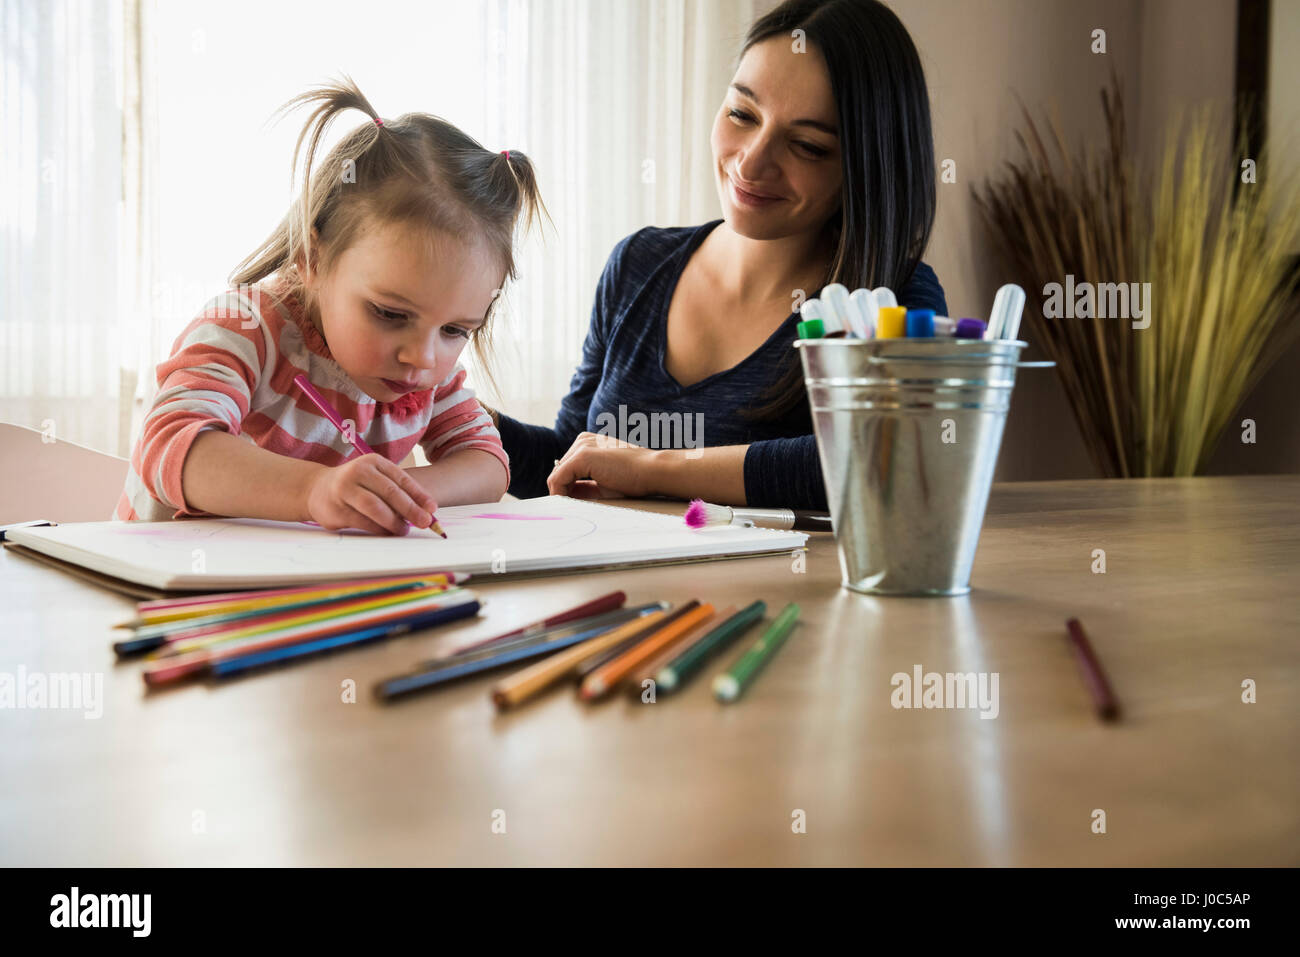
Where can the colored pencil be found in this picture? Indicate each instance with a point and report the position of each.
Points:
(176, 667)
(228, 667)
(454, 669)
(610, 619)
(727, 687)
(534, 679)
(219, 635)
(635, 682)
(605, 677)
(357, 442)
(609, 654)
(682, 668)
(151, 637)
(1094, 676)
(596, 606)
(175, 609)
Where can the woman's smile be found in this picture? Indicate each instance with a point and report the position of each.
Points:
(754, 199)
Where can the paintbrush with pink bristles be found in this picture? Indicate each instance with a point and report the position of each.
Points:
(701, 514)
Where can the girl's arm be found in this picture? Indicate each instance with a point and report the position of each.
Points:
(464, 477)
(468, 464)
(225, 475)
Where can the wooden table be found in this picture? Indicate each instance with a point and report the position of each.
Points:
(1199, 594)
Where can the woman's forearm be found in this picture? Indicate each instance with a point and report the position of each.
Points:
(467, 477)
(225, 475)
(715, 474)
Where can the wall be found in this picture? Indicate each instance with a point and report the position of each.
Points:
(980, 57)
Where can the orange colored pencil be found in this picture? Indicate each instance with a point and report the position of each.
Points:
(635, 681)
(522, 685)
(607, 676)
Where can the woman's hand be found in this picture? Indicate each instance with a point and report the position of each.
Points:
(601, 466)
(370, 493)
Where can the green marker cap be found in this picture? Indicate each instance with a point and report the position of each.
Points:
(811, 329)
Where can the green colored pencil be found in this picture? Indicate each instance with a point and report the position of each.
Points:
(678, 671)
(728, 686)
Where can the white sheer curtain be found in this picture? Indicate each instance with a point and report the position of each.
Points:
(140, 167)
(61, 219)
(613, 100)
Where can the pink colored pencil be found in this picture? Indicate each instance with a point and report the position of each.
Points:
(330, 413)
(220, 598)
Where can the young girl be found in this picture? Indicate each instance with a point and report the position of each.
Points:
(371, 286)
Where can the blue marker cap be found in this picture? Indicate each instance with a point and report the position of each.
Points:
(920, 323)
(970, 329)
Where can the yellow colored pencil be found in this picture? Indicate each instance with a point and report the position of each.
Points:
(265, 623)
(220, 605)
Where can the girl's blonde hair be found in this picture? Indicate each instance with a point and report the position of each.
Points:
(416, 170)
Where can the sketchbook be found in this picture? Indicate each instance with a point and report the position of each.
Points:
(530, 536)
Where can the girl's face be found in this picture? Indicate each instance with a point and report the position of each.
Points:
(775, 141)
(396, 312)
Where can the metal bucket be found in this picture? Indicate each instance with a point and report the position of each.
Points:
(908, 431)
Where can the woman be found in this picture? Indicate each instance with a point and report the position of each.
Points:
(824, 163)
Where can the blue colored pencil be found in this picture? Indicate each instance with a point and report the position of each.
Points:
(455, 668)
(227, 667)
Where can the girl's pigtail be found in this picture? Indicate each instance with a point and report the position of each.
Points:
(292, 238)
(528, 203)
(331, 100)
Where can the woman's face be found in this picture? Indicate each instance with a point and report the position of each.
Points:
(396, 311)
(776, 152)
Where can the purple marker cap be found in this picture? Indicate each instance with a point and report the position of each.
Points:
(970, 329)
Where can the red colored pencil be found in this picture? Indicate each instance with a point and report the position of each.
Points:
(597, 606)
(1093, 675)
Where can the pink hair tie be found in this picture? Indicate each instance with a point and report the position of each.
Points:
(378, 121)
(507, 155)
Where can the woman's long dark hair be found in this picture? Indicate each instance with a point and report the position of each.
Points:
(886, 146)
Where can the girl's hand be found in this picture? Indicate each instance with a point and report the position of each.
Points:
(370, 493)
(600, 466)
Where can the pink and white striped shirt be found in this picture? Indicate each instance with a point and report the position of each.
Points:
(233, 368)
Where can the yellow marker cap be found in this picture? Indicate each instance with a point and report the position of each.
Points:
(891, 323)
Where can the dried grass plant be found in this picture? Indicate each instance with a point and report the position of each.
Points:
(1217, 252)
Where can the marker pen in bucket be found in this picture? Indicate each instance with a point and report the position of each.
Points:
(891, 322)
(863, 304)
(1004, 320)
(920, 323)
(811, 329)
(814, 310)
(835, 298)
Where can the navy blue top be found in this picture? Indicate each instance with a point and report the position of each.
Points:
(623, 365)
